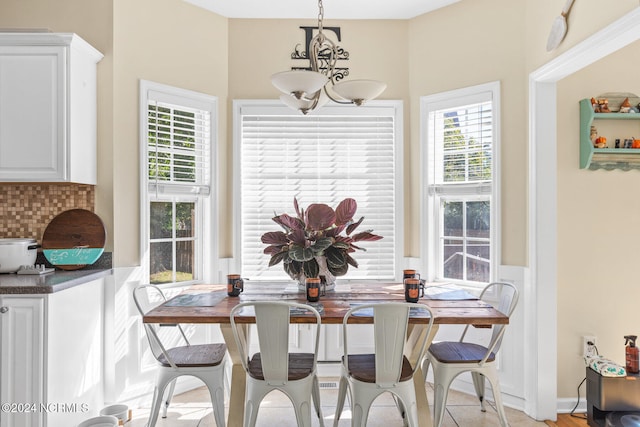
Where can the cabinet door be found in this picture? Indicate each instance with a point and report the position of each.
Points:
(21, 360)
(32, 113)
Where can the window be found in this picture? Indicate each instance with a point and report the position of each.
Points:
(459, 163)
(338, 152)
(177, 138)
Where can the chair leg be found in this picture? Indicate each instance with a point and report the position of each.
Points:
(165, 377)
(497, 397)
(425, 367)
(400, 407)
(302, 409)
(167, 400)
(215, 383)
(405, 397)
(255, 392)
(342, 393)
(441, 383)
(361, 400)
(153, 414)
(315, 394)
(478, 384)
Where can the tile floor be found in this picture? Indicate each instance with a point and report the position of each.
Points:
(193, 409)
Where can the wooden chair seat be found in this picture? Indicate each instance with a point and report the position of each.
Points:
(300, 366)
(195, 355)
(362, 367)
(459, 352)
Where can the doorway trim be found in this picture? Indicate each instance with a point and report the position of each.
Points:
(541, 347)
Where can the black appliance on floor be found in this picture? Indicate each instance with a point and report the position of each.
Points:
(607, 395)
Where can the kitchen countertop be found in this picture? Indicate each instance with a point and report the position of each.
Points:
(17, 284)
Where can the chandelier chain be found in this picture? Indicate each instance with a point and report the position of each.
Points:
(320, 16)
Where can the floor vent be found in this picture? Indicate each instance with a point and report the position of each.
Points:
(328, 385)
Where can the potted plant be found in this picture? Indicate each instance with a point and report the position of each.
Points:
(317, 241)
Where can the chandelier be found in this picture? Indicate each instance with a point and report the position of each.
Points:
(308, 90)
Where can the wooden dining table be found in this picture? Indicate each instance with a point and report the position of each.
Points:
(210, 304)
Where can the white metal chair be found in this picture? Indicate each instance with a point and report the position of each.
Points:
(449, 359)
(273, 367)
(203, 361)
(388, 369)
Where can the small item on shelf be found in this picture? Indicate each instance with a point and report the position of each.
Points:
(628, 143)
(595, 106)
(601, 142)
(635, 143)
(617, 143)
(625, 107)
(593, 135)
(603, 105)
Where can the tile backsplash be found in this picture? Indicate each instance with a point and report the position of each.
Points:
(26, 209)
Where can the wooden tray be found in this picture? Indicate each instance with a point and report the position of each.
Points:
(74, 239)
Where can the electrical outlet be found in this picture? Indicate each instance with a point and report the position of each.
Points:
(589, 349)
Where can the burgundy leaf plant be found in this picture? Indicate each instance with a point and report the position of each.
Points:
(317, 241)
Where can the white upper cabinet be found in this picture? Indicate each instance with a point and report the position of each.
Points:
(47, 108)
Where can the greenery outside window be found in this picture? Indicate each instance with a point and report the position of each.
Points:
(460, 196)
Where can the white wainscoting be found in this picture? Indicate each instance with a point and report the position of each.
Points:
(130, 372)
(512, 354)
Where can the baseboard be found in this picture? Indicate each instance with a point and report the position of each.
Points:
(566, 405)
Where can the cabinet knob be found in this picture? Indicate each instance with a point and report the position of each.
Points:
(4, 309)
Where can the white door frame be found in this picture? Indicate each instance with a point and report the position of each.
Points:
(541, 331)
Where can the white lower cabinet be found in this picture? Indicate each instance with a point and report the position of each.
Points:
(51, 364)
(21, 360)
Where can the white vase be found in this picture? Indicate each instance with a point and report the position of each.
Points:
(324, 271)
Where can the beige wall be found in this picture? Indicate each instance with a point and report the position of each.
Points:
(179, 45)
(451, 49)
(598, 236)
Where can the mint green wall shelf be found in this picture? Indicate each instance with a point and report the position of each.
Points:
(604, 158)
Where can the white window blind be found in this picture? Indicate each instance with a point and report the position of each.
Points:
(462, 141)
(178, 148)
(319, 159)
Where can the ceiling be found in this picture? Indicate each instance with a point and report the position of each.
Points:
(333, 9)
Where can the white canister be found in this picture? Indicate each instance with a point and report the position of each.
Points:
(17, 252)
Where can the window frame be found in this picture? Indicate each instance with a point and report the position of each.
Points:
(277, 106)
(205, 196)
(431, 258)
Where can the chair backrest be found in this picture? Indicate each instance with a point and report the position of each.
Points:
(146, 298)
(507, 296)
(272, 324)
(390, 321)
